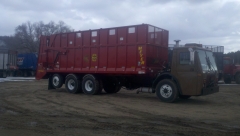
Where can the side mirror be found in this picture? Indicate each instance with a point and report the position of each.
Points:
(192, 52)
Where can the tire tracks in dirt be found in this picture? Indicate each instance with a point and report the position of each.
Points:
(62, 115)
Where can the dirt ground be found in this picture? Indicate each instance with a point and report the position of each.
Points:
(28, 108)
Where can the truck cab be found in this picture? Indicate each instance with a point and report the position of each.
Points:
(193, 72)
(231, 71)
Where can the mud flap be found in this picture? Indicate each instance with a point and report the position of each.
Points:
(50, 86)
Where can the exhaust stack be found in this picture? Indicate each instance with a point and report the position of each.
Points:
(177, 43)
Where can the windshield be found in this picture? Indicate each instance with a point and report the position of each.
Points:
(226, 62)
(207, 60)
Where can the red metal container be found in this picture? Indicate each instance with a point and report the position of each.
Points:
(136, 49)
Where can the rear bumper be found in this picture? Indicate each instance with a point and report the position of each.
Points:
(210, 90)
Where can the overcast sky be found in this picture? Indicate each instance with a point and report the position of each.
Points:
(210, 22)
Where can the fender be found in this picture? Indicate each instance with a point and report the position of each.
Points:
(162, 76)
(89, 75)
(77, 76)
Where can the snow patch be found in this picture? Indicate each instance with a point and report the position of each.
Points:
(9, 79)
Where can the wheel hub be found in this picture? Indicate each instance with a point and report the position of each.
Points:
(55, 81)
(71, 84)
(89, 85)
(166, 91)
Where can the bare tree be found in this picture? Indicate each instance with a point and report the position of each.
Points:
(62, 27)
(38, 30)
(25, 34)
(10, 42)
(235, 56)
(28, 34)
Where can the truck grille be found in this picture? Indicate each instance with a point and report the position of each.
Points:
(211, 81)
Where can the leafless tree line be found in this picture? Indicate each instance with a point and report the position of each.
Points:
(27, 35)
(235, 56)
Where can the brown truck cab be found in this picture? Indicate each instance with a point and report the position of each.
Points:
(193, 72)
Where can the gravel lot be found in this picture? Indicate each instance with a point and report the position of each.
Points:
(28, 108)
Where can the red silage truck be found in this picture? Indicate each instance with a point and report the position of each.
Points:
(231, 71)
(134, 57)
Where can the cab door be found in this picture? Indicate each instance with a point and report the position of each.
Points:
(186, 73)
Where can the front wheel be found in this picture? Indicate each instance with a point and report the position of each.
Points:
(227, 80)
(219, 76)
(237, 78)
(166, 91)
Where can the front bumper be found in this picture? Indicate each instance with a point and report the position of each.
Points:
(210, 90)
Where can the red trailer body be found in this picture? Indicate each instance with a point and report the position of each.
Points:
(127, 50)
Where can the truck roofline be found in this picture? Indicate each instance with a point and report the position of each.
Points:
(194, 48)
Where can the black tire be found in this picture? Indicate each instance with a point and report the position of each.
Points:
(227, 80)
(57, 81)
(112, 89)
(4, 74)
(91, 85)
(167, 91)
(237, 78)
(111, 86)
(32, 73)
(184, 96)
(25, 73)
(11, 74)
(219, 76)
(72, 84)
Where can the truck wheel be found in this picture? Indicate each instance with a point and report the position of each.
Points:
(11, 73)
(33, 73)
(4, 74)
(227, 80)
(111, 85)
(25, 73)
(184, 96)
(112, 88)
(90, 85)
(72, 84)
(237, 78)
(166, 91)
(57, 81)
(219, 76)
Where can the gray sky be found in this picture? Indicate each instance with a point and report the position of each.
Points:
(210, 22)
